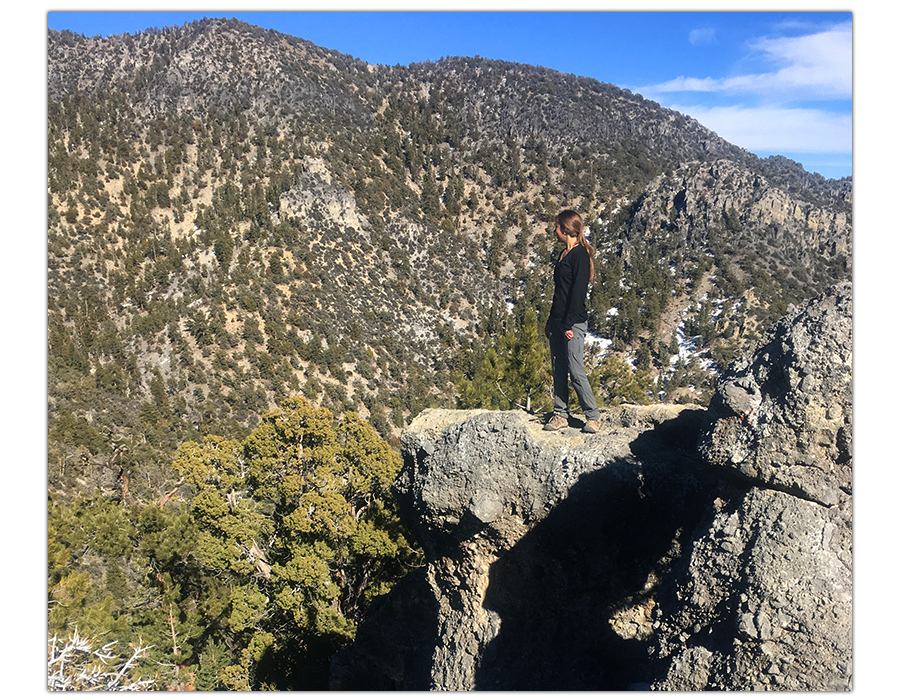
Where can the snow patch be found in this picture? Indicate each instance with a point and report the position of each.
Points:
(596, 342)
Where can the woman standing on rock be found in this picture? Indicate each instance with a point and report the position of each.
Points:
(567, 325)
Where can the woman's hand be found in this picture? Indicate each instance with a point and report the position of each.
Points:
(570, 335)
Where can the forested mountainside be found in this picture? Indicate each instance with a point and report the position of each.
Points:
(246, 230)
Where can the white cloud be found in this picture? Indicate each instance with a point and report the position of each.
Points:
(763, 105)
(814, 66)
(706, 35)
(777, 129)
(821, 63)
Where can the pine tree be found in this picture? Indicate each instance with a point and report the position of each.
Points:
(617, 383)
(527, 377)
(515, 373)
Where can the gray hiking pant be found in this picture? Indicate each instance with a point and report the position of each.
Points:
(568, 360)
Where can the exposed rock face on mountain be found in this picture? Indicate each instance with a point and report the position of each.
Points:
(698, 196)
(764, 598)
(677, 549)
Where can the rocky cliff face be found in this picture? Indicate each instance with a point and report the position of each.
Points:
(677, 549)
(699, 196)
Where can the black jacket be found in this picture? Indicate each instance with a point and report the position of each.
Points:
(570, 282)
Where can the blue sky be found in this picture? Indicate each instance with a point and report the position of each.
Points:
(771, 82)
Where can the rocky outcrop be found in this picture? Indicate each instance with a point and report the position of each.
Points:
(782, 416)
(701, 196)
(676, 549)
(315, 197)
(542, 550)
(764, 599)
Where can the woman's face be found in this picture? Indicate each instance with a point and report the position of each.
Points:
(560, 235)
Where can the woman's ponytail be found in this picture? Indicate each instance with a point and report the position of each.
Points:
(571, 223)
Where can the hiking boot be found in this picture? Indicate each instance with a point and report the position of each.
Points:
(556, 422)
(591, 426)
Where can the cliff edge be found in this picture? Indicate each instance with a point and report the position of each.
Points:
(676, 549)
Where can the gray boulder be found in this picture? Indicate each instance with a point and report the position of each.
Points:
(762, 600)
(542, 551)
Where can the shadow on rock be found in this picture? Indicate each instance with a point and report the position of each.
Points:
(574, 595)
(395, 643)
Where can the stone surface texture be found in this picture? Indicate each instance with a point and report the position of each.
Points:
(677, 549)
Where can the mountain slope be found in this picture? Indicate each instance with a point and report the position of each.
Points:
(236, 215)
